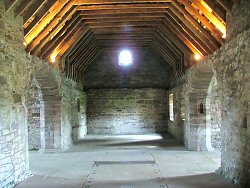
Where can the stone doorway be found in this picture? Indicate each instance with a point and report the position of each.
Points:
(35, 113)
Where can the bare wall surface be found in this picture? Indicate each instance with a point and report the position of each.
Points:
(146, 72)
(14, 164)
(127, 111)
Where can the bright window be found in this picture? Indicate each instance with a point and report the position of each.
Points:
(125, 58)
(171, 107)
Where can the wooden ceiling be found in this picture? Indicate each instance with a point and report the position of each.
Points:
(74, 32)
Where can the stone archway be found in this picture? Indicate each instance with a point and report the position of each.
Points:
(197, 129)
(213, 113)
(35, 112)
(45, 112)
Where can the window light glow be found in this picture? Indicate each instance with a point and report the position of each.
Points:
(171, 107)
(224, 36)
(53, 59)
(197, 57)
(125, 58)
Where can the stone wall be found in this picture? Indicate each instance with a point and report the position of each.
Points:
(117, 101)
(176, 127)
(14, 162)
(61, 123)
(231, 67)
(213, 113)
(73, 113)
(27, 84)
(146, 72)
(127, 111)
(34, 113)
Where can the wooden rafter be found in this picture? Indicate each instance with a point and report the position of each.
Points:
(215, 20)
(41, 20)
(22, 7)
(54, 26)
(32, 10)
(174, 29)
(10, 4)
(202, 19)
(96, 2)
(225, 5)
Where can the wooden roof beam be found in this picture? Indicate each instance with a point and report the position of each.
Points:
(33, 10)
(122, 25)
(92, 46)
(54, 45)
(217, 9)
(59, 36)
(69, 41)
(56, 31)
(53, 27)
(170, 36)
(189, 33)
(96, 2)
(168, 45)
(124, 19)
(123, 30)
(23, 5)
(74, 45)
(124, 15)
(216, 33)
(123, 11)
(207, 12)
(40, 22)
(225, 4)
(193, 25)
(91, 60)
(165, 53)
(161, 54)
(191, 44)
(9, 4)
(123, 6)
(81, 47)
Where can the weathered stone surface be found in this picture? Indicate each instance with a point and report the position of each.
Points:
(45, 113)
(176, 127)
(127, 111)
(13, 125)
(213, 113)
(146, 72)
(231, 68)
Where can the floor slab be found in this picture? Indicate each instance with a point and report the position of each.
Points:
(128, 161)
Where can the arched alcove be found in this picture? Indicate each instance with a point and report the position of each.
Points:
(50, 109)
(213, 113)
(198, 130)
(35, 110)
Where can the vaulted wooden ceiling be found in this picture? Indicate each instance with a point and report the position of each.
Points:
(75, 32)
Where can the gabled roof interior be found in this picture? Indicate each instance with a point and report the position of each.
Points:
(75, 32)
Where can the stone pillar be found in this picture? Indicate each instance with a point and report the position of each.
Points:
(198, 137)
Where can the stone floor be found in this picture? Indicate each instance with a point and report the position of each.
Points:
(147, 161)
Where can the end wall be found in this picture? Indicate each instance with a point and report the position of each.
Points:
(127, 100)
(127, 111)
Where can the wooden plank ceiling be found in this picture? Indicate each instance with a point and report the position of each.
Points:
(74, 32)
